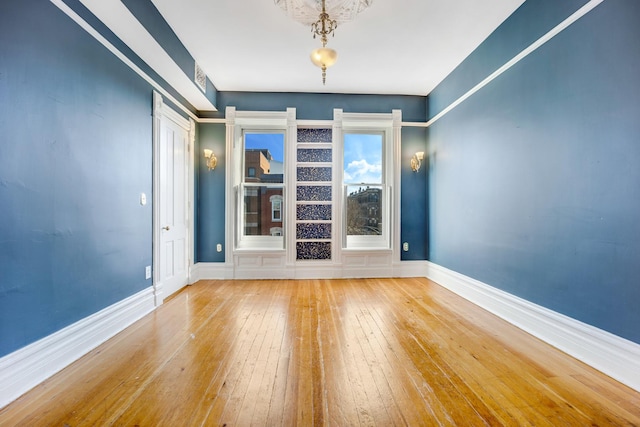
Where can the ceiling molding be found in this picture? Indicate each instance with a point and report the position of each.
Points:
(307, 11)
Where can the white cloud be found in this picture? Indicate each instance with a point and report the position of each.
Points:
(360, 171)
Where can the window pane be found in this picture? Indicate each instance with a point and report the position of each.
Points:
(364, 210)
(263, 177)
(362, 158)
(276, 208)
(263, 157)
(261, 218)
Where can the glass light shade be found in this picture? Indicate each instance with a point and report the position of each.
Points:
(324, 56)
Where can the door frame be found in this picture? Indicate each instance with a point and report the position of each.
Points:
(161, 112)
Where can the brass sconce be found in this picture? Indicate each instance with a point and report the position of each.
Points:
(416, 161)
(212, 160)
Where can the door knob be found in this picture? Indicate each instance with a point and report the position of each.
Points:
(166, 228)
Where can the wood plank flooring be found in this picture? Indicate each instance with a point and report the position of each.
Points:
(324, 352)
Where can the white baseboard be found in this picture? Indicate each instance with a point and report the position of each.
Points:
(23, 369)
(304, 270)
(410, 269)
(210, 271)
(615, 356)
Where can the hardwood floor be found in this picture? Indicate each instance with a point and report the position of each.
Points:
(324, 352)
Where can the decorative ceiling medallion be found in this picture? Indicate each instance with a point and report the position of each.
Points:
(306, 11)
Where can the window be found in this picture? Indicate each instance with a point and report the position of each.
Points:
(261, 190)
(276, 231)
(276, 208)
(366, 218)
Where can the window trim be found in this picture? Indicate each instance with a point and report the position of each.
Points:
(375, 242)
(242, 240)
(276, 200)
(249, 259)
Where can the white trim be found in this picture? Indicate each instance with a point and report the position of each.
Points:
(314, 124)
(396, 189)
(532, 47)
(410, 268)
(230, 190)
(89, 29)
(609, 353)
(211, 120)
(337, 204)
(307, 270)
(523, 54)
(414, 124)
(389, 124)
(191, 208)
(162, 111)
(155, 234)
(211, 271)
(237, 123)
(290, 186)
(124, 25)
(262, 120)
(23, 369)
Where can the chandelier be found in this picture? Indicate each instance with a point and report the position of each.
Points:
(324, 56)
(305, 12)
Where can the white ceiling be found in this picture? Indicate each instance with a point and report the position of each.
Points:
(393, 47)
(400, 47)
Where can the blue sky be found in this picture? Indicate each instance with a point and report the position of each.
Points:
(274, 142)
(362, 154)
(362, 158)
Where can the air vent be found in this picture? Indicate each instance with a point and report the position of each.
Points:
(200, 78)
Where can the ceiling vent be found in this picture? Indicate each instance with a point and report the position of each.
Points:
(200, 78)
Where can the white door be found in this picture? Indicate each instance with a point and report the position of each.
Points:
(172, 218)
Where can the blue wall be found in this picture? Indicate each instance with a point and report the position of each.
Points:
(210, 194)
(534, 181)
(210, 220)
(413, 204)
(76, 153)
(319, 106)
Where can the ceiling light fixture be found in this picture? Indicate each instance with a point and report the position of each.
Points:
(306, 12)
(324, 57)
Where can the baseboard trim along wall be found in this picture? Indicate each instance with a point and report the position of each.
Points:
(606, 352)
(23, 369)
(615, 356)
(310, 270)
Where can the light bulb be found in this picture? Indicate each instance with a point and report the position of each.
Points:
(324, 56)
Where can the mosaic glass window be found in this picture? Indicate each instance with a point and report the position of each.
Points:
(315, 135)
(314, 174)
(313, 231)
(313, 212)
(313, 193)
(314, 155)
(313, 250)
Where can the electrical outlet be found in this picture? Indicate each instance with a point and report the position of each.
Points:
(219, 247)
(147, 272)
(405, 246)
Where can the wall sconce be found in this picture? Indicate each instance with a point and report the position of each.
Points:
(416, 161)
(212, 160)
